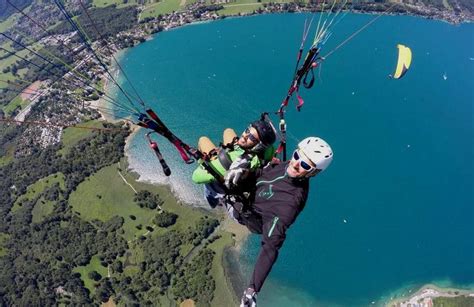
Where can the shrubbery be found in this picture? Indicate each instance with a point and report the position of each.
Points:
(165, 219)
(145, 199)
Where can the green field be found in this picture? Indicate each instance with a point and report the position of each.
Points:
(35, 190)
(119, 3)
(3, 238)
(42, 209)
(15, 103)
(71, 136)
(235, 9)
(94, 265)
(223, 295)
(7, 76)
(460, 301)
(151, 8)
(4, 25)
(187, 214)
(162, 7)
(105, 195)
(8, 157)
(4, 63)
(8, 61)
(245, 6)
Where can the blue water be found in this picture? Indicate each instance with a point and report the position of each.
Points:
(403, 174)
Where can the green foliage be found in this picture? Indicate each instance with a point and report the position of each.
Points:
(22, 172)
(114, 224)
(194, 281)
(53, 252)
(8, 136)
(104, 291)
(204, 228)
(145, 199)
(3, 238)
(45, 253)
(109, 21)
(91, 154)
(117, 266)
(94, 275)
(71, 136)
(165, 219)
(49, 188)
(161, 260)
(84, 271)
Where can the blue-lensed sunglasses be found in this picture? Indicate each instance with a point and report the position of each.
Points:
(304, 165)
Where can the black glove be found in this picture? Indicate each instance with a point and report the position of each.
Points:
(249, 299)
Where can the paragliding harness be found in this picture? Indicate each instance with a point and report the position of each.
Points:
(238, 200)
(189, 154)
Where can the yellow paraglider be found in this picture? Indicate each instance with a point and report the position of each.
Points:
(404, 61)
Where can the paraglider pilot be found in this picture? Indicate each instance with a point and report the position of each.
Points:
(279, 195)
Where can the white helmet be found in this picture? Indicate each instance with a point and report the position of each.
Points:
(317, 150)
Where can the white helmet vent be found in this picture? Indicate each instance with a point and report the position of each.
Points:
(317, 150)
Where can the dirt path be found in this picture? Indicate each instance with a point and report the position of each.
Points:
(187, 303)
(125, 180)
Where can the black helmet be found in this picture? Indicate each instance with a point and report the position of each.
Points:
(265, 131)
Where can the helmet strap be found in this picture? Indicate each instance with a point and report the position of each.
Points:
(259, 147)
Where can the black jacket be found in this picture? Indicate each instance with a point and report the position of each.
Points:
(277, 201)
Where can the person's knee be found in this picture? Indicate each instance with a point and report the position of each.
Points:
(228, 136)
(205, 144)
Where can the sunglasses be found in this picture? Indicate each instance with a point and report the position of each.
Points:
(304, 165)
(250, 136)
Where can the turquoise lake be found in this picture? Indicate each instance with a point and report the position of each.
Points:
(394, 211)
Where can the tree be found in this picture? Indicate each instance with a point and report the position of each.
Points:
(94, 275)
(104, 291)
(165, 219)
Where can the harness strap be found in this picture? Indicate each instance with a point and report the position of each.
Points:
(224, 158)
